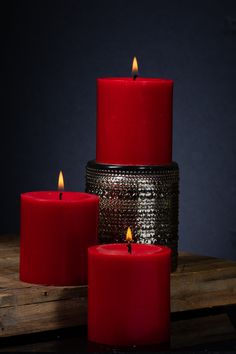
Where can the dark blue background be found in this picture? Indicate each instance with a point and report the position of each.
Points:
(52, 53)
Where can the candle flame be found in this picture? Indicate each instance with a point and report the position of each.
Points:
(129, 235)
(60, 181)
(135, 66)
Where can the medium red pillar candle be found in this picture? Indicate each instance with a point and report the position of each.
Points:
(134, 121)
(129, 295)
(55, 235)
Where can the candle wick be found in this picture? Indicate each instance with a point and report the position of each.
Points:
(129, 247)
(60, 196)
(135, 76)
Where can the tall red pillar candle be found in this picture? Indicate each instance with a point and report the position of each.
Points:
(134, 121)
(55, 235)
(128, 295)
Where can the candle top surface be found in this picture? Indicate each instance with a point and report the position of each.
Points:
(120, 249)
(139, 79)
(52, 196)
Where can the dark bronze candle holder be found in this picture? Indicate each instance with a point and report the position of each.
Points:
(146, 198)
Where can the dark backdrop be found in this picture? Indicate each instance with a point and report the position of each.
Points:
(52, 53)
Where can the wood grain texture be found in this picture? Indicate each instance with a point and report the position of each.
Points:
(202, 282)
(199, 282)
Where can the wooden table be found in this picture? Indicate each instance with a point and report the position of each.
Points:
(199, 284)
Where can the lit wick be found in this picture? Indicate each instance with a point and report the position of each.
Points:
(129, 240)
(129, 247)
(135, 68)
(60, 185)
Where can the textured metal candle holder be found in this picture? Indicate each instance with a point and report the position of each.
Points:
(142, 197)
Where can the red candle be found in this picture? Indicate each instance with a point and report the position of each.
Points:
(129, 295)
(134, 121)
(56, 230)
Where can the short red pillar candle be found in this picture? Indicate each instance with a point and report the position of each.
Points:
(129, 295)
(56, 230)
(134, 121)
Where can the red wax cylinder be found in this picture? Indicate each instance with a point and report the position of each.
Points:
(129, 295)
(55, 235)
(134, 121)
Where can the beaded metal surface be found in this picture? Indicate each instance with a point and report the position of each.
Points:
(142, 197)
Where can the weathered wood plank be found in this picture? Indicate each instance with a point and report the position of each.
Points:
(208, 300)
(38, 294)
(199, 282)
(202, 282)
(39, 317)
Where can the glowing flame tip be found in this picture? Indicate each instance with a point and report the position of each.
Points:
(129, 235)
(135, 66)
(60, 181)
